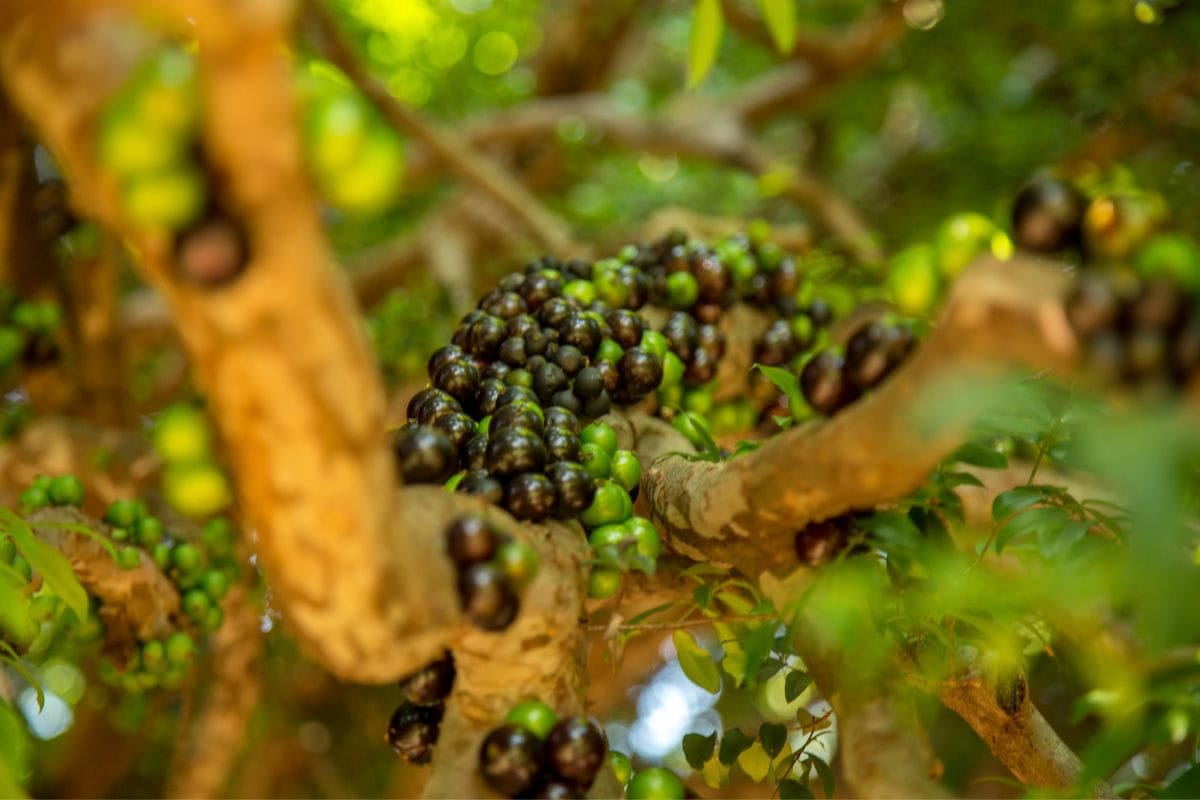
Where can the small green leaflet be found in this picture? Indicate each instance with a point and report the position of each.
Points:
(733, 744)
(785, 382)
(1008, 503)
(825, 774)
(696, 662)
(979, 455)
(15, 752)
(49, 563)
(795, 684)
(707, 26)
(699, 749)
(780, 16)
(790, 789)
(773, 737)
(755, 762)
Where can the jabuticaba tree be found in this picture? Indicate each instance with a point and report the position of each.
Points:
(872, 487)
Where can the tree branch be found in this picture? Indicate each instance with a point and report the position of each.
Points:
(745, 512)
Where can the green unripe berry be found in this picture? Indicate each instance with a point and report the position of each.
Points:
(534, 716)
(601, 434)
(610, 288)
(519, 562)
(649, 544)
(581, 290)
(611, 504)
(128, 557)
(66, 490)
(149, 531)
(673, 369)
(154, 655)
(626, 469)
(655, 783)
(22, 567)
(682, 290)
(180, 648)
(609, 351)
(162, 555)
(181, 434)
(186, 557)
(698, 401)
(519, 377)
(213, 618)
(42, 482)
(217, 537)
(603, 583)
(620, 765)
(596, 461)
(196, 489)
(12, 343)
(34, 498)
(196, 604)
(124, 513)
(656, 343)
(42, 607)
(215, 584)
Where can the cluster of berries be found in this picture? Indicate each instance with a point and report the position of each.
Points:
(535, 754)
(492, 569)
(833, 379)
(415, 724)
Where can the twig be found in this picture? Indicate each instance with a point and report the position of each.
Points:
(687, 623)
(481, 171)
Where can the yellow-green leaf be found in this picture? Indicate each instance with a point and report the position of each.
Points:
(755, 762)
(696, 662)
(780, 16)
(49, 563)
(705, 40)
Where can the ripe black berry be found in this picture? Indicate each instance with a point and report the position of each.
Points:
(575, 748)
(413, 410)
(554, 311)
(515, 415)
(574, 487)
(470, 540)
(511, 282)
(423, 454)
(627, 327)
(487, 396)
(559, 790)
(443, 356)
(1047, 214)
(539, 288)
(431, 683)
(458, 428)
(413, 732)
(712, 278)
(515, 450)
(512, 351)
(568, 400)
(549, 379)
(536, 342)
(825, 384)
(701, 369)
(436, 405)
(580, 331)
(777, 345)
(711, 339)
(561, 445)
(506, 305)
(488, 599)
(819, 542)
(681, 331)
(785, 280)
(484, 337)
(873, 351)
(1185, 350)
(1160, 305)
(569, 358)
(512, 394)
(559, 417)
(588, 383)
(511, 761)
(820, 312)
(497, 370)
(530, 496)
(520, 325)
(473, 455)
(598, 406)
(479, 483)
(640, 372)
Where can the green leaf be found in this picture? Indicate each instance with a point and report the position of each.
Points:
(755, 762)
(791, 789)
(893, 530)
(1045, 523)
(49, 563)
(15, 752)
(702, 594)
(696, 662)
(785, 381)
(795, 684)
(650, 612)
(757, 644)
(705, 40)
(951, 480)
(1008, 503)
(9, 656)
(780, 16)
(699, 749)
(980, 455)
(773, 737)
(733, 744)
(825, 774)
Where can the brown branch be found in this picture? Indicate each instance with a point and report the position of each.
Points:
(745, 512)
(1022, 741)
(581, 44)
(135, 605)
(484, 173)
(206, 753)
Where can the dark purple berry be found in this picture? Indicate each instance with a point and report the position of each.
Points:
(873, 351)
(559, 417)
(580, 331)
(554, 311)
(423, 454)
(506, 305)
(549, 379)
(511, 761)
(561, 445)
(458, 427)
(515, 450)
(431, 683)
(575, 749)
(640, 372)
(530, 496)
(515, 415)
(436, 405)
(470, 540)
(568, 400)
(443, 356)
(700, 370)
(588, 383)
(485, 336)
(681, 331)
(488, 599)
(627, 327)
(574, 487)
(539, 288)
(569, 358)
(825, 384)
(413, 731)
(479, 483)
(1047, 215)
